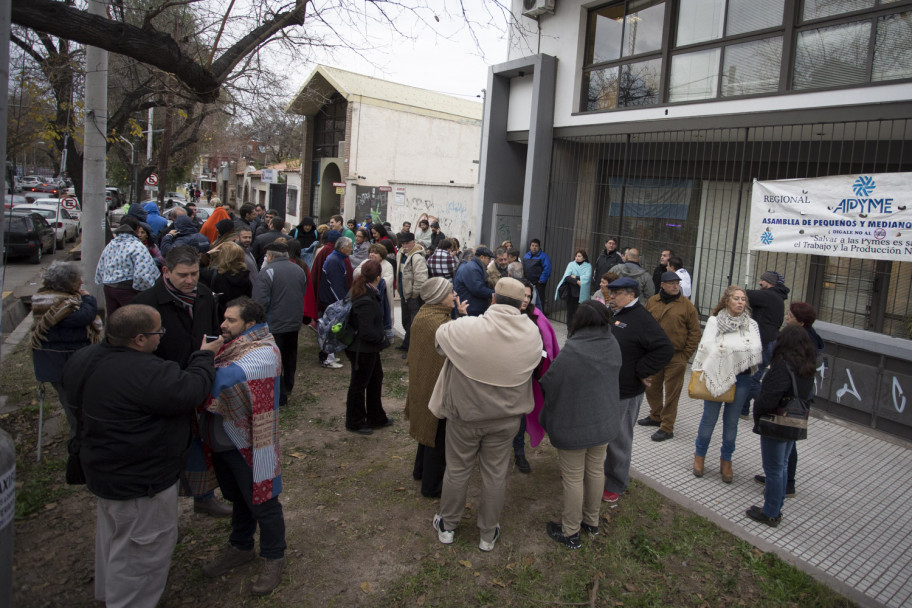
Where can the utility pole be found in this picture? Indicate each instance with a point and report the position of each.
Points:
(7, 447)
(94, 160)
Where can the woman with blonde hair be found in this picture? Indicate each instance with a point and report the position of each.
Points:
(728, 355)
(228, 277)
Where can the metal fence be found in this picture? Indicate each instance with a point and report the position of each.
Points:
(689, 191)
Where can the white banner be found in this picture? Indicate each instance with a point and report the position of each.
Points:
(843, 216)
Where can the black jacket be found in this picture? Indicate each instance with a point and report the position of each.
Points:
(183, 335)
(367, 318)
(258, 249)
(226, 287)
(768, 310)
(645, 348)
(135, 417)
(778, 384)
(604, 263)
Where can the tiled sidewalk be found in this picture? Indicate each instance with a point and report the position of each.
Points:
(850, 524)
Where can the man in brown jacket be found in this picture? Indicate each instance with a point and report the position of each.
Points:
(678, 317)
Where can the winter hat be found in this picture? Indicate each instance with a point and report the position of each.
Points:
(510, 288)
(772, 277)
(436, 290)
(223, 227)
(333, 235)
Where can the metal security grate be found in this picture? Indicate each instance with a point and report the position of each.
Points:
(689, 191)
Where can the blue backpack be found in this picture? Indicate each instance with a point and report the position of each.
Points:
(334, 329)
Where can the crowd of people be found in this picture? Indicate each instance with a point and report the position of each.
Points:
(213, 311)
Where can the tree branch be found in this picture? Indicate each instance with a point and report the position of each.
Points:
(154, 48)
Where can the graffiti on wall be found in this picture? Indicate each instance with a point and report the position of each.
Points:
(454, 216)
(370, 201)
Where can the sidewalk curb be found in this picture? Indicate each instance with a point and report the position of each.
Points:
(730, 526)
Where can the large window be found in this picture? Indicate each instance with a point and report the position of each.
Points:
(732, 48)
(623, 55)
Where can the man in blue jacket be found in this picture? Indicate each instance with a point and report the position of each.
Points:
(537, 269)
(471, 284)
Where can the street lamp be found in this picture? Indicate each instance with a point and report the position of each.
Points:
(133, 166)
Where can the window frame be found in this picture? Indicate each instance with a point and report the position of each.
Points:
(790, 29)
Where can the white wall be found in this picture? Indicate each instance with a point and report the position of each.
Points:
(563, 36)
(390, 144)
(454, 206)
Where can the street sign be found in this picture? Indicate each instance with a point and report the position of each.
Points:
(69, 203)
(152, 180)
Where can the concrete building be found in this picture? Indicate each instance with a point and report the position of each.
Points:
(389, 150)
(649, 120)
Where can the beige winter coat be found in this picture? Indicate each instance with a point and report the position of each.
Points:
(414, 271)
(488, 372)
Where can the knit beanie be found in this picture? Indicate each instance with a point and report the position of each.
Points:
(436, 290)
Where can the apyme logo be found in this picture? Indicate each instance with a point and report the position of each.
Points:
(863, 187)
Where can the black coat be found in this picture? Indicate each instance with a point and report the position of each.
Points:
(645, 348)
(135, 417)
(768, 310)
(778, 384)
(183, 335)
(367, 318)
(226, 287)
(63, 340)
(258, 249)
(604, 263)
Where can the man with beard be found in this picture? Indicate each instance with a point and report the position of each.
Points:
(189, 311)
(241, 426)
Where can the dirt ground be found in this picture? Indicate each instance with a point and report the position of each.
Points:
(359, 532)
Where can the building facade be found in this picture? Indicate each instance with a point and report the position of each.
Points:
(649, 120)
(394, 152)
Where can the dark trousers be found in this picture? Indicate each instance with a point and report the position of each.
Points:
(430, 463)
(572, 305)
(288, 348)
(519, 442)
(409, 309)
(236, 480)
(364, 406)
(115, 297)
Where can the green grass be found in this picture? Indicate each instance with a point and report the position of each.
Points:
(395, 383)
(42, 485)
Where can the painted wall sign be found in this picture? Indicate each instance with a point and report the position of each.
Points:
(866, 215)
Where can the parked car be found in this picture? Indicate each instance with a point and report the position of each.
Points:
(66, 226)
(176, 197)
(27, 234)
(15, 199)
(52, 202)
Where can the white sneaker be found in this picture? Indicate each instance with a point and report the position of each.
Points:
(444, 536)
(332, 364)
(489, 546)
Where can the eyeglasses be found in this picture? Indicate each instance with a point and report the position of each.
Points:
(160, 332)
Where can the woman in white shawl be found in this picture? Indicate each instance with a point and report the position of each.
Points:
(729, 353)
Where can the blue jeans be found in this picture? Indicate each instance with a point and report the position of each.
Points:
(729, 419)
(775, 454)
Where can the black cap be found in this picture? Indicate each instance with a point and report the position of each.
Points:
(669, 276)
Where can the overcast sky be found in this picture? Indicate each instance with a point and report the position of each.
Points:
(438, 55)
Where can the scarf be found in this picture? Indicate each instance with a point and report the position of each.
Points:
(667, 298)
(722, 355)
(50, 308)
(728, 323)
(245, 395)
(185, 300)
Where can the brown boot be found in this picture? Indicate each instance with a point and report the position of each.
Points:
(698, 465)
(270, 577)
(725, 467)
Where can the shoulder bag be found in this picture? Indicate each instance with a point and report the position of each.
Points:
(697, 389)
(790, 420)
